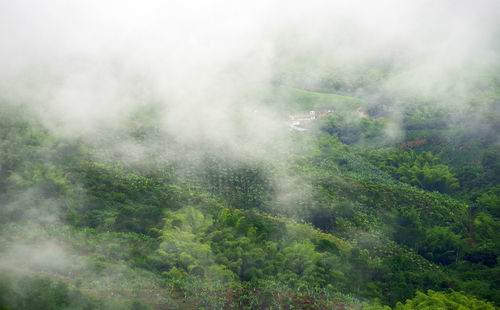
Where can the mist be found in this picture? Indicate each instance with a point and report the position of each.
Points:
(212, 77)
(89, 64)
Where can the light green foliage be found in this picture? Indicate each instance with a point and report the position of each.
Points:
(487, 228)
(182, 246)
(290, 99)
(491, 201)
(300, 259)
(445, 301)
(303, 229)
(304, 100)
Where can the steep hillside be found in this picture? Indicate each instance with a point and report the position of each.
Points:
(328, 226)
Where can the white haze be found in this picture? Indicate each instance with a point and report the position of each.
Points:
(89, 63)
(41, 255)
(86, 66)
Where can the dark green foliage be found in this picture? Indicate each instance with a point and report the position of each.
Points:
(441, 246)
(416, 169)
(408, 228)
(478, 280)
(491, 165)
(323, 218)
(124, 201)
(243, 185)
(43, 293)
(425, 116)
(137, 305)
(350, 127)
(490, 200)
(485, 257)
(365, 222)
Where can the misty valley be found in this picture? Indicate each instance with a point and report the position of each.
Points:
(192, 155)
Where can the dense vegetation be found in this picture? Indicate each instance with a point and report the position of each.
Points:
(349, 218)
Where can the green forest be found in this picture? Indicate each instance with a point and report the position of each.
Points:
(368, 223)
(219, 177)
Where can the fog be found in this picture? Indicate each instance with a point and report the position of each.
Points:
(89, 63)
(208, 69)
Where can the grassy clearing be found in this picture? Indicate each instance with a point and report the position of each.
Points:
(300, 100)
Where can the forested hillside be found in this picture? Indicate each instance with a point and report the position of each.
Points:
(257, 169)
